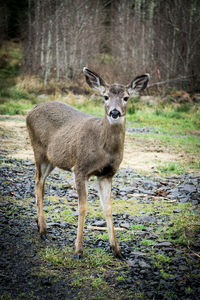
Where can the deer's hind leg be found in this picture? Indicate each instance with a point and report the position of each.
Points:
(43, 169)
(81, 186)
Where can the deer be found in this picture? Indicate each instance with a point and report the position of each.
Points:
(62, 136)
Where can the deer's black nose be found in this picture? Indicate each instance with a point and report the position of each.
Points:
(115, 114)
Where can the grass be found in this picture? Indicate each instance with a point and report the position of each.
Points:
(102, 236)
(171, 167)
(137, 227)
(166, 275)
(88, 272)
(160, 259)
(67, 215)
(15, 108)
(170, 118)
(184, 229)
(148, 242)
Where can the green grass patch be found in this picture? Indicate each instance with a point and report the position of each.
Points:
(67, 215)
(184, 226)
(171, 167)
(89, 272)
(148, 242)
(93, 258)
(186, 143)
(184, 229)
(102, 236)
(159, 259)
(167, 117)
(162, 258)
(196, 165)
(120, 278)
(137, 227)
(62, 213)
(14, 93)
(92, 107)
(166, 275)
(15, 108)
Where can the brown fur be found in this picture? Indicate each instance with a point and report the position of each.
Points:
(63, 137)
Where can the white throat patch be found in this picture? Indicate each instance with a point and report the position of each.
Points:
(119, 120)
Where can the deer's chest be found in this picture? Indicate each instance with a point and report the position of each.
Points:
(106, 170)
(107, 167)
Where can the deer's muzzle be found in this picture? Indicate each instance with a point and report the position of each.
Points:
(115, 114)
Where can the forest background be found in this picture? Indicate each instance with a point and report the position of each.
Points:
(119, 39)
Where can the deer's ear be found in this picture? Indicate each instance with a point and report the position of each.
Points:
(139, 83)
(94, 80)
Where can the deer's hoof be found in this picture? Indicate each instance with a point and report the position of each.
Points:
(116, 250)
(43, 237)
(78, 256)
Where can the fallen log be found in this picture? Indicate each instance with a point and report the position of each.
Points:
(103, 228)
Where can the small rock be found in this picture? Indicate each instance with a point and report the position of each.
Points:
(177, 210)
(75, 214)
(183, 268)
(143, 264)
(46, 282)
(66, 185)
(189, 188)
(53, 224)
(125, 225)
(28, 163)
(131, 263)
(164, 244)
(170, 224)
(138, 253)
(99, 223)
(184, 200)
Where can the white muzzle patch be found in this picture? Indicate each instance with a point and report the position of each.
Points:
(118, 120)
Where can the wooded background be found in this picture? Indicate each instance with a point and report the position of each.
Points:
(119, 39)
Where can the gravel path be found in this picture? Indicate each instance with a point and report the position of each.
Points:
(20, 244)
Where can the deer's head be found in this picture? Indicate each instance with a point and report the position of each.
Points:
(115, 95)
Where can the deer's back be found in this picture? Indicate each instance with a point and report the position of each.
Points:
(46, 118)
(56, 130)
(53, 113)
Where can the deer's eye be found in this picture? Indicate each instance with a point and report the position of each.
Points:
(106, 98)
(126, 99)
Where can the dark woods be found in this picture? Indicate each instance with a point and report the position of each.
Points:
(117, 37)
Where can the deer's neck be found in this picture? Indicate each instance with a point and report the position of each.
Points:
(113, 136)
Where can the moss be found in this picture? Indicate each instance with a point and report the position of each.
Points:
(148, 242)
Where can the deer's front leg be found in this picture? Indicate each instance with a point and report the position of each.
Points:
(104, 186)
(81, 186)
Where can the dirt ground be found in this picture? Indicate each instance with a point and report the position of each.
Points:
(153, 267)
(140, 154)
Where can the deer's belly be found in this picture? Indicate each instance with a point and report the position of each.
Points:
(61, 157)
